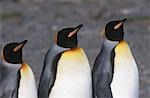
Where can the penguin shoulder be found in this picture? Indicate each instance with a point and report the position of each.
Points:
(27, 83)
(123, 49)
(74, 53)
(123, 54)
(74, 50)
(26, 70)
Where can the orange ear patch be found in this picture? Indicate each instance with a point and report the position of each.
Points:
(55, 37)
(102, 33)
(2, 56)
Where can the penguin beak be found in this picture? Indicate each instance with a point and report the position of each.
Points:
(75, 30)
(20, 46)
(123, 20)
(120, 24)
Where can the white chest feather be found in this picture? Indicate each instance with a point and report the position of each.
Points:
(125, 83)
(73, 78)
(27, 87)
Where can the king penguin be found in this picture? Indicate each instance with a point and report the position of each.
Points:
(66, 72)
(115, 72)
(16, 78)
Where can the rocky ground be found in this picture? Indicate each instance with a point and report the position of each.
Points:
(38, 20)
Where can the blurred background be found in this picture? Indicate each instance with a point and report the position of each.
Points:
(38, 20)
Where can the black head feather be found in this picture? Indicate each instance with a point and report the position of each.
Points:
(66, 41)
(115, 34)
(11, 56)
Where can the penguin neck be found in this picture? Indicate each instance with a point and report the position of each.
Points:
(108, 45)
(58, 48)
(10, 67)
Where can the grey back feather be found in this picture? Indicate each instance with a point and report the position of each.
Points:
(9, 81)
(102, 72)
(49, 70)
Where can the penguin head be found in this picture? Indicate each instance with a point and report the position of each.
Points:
(12, 52)
(114, 30)
(67, 37)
